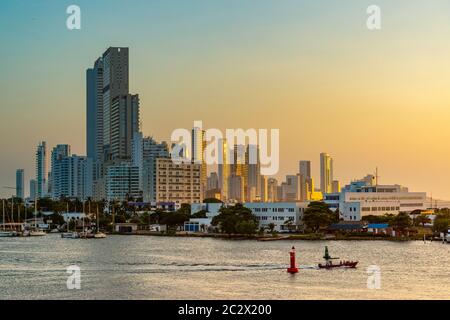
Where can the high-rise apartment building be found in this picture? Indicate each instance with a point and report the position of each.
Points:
(20, 184)
(115, 84)
(60, 152)
(122, 182)
(124, 124)
(94, 115)
(145, 151)
(326, 173)
(41, 170)
(223, 168)
(178, 182)
(198, 155)
(305, 168)
(72, 175)
(254, 174)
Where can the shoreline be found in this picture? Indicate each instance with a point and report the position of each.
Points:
(308, 237)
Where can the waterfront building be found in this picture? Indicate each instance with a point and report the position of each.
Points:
(72, 177)
(285, 216)
(41, 170)
(20, 184)
(361, 198)
(122, 182)
(178, 182)
(57, 175)
(326, 173)
(145, 151)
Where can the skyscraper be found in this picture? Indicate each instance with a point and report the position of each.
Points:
(254, 174)
(115, 84)
(41, 170)
(223, 168)
(94, 115)
(305, 168)
(326, 173)
(237, 188)
(20, 184)
(144, 154)
(198, 155)
(124, 123)
(59, 152)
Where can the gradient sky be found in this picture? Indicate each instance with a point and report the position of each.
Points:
(310, 68)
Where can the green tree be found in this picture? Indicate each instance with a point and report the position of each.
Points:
(422, 219)
(441, 224)
(318, 215)
(235, 220)
(200, 214)
(401, 222)
(271, 227)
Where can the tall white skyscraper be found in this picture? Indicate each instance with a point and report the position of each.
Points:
(326, 173)
(41, 170)
(198, 155)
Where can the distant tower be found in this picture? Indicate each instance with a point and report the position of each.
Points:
(326, 173)
(224, 168)
(41, 170)
(20, 184)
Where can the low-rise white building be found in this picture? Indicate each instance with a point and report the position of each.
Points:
(285, 216)
(361, 198)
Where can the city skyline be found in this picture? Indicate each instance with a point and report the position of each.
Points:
(316, 111)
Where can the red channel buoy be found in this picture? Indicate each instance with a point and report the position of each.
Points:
(293, 268)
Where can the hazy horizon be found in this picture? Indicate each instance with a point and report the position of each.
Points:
(309, 68)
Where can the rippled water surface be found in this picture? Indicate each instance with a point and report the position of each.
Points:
(140, 267)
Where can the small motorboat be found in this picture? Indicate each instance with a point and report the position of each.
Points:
(99, 235)
(5, 234)
(37, 233)
(70, 235)
(330, 265)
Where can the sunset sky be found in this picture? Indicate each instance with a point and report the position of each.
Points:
(309, 68)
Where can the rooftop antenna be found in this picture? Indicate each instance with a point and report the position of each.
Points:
(376, 177)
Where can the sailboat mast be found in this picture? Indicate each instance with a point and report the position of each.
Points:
(35, 212)
(97, 218)
(67, 210)
(3, 222)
